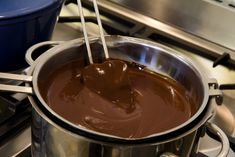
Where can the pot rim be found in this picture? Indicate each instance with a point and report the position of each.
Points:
(55, 119)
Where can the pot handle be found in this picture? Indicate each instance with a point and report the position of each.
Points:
(32, 49)
(218, 132)
(15, 88)
(223, 138)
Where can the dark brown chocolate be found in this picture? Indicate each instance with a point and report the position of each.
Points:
(117, 99)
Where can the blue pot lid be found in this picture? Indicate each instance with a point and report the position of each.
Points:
(15, 8)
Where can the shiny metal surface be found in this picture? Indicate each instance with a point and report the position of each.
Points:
(84, 30)
(222, 136)
(48, 140)
(16, 88)
(51, 139)
(14, 148)
(16, 77)
(168, 155)
(154, 56)
(225, 143)
(28, 55)
(101, 29)
(225, 115)
(199, 17)
(198, 24)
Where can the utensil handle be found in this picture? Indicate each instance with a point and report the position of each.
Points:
(32, 49)
(17, 77)
(80, 9)
(101, 29)
(15, 88)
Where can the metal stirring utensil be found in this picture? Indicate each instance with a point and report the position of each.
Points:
(112, 73)
(85, 32)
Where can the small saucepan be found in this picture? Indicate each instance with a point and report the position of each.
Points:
(52, 135)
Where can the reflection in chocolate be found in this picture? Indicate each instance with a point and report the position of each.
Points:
(117, 99)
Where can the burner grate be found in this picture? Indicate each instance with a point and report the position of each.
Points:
(15, 115)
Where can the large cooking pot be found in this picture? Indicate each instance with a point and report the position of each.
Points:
(52, 135)
(24, 23)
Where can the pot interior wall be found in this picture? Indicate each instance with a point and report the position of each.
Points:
(152, 57)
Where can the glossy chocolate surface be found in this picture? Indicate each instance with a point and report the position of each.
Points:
(117, 98)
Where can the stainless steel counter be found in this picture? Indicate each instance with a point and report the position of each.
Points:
(208, 19)
(19, 146)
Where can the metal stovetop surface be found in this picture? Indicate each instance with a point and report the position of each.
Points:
(204, 24)
(209, 19)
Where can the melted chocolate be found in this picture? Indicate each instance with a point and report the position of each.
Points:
(117, 99)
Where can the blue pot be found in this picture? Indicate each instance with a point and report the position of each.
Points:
(24, 23)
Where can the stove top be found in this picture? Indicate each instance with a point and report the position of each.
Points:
(68, 28)
(15, 118)
(194, 23)
(199, 17)
(14, 115)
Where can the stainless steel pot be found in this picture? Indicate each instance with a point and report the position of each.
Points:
(52, 135)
